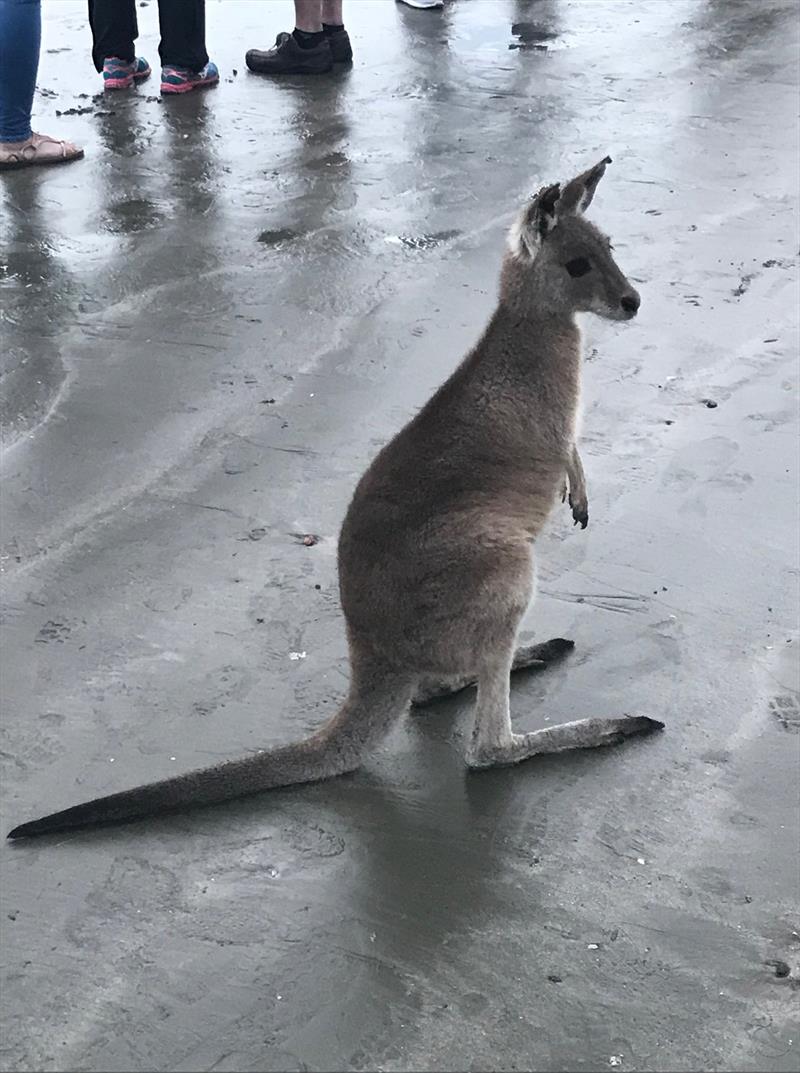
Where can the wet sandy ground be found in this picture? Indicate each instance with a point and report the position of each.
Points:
(208, 328)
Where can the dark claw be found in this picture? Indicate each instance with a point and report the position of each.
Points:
(581, 516)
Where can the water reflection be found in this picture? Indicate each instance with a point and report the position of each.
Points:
(36, 286)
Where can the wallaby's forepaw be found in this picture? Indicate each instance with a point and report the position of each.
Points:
(580, 510)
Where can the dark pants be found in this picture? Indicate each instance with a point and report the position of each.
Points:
(182, 24)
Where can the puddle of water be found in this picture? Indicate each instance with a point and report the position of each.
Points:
(129, 217)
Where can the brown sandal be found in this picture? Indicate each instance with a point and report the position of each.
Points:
(39, 149)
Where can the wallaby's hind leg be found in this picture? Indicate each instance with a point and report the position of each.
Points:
(582, 734)
(494, 744)
(492, 736)
(527, 657)
(431, 689)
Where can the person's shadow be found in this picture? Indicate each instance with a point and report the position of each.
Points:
(317, 169)
(157, 167)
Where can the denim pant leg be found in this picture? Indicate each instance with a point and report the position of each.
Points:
(20, 37)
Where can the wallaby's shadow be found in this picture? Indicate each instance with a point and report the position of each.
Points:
(426, 837)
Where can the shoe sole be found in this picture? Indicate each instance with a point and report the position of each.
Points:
(17, 164)
(187, 87)
(293, 70)
(127, 82)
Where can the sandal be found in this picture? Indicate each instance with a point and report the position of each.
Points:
(39, 149)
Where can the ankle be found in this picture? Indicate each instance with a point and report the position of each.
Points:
(329, 28)
(308, 39)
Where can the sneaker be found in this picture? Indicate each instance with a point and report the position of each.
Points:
(341, 48)
(287, 58)
(422, 4)
(182, 80)
(119, 74)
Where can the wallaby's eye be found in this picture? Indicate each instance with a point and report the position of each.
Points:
(579, 266)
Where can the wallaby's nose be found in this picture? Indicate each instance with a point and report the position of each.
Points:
(630, 302)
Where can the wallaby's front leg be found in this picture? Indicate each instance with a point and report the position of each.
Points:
(577, 489)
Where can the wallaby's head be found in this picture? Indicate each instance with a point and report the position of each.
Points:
(559, 262)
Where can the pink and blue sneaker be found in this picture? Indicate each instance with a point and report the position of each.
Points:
(119, 74)
(182, 80)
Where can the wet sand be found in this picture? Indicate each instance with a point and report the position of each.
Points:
(209, 327)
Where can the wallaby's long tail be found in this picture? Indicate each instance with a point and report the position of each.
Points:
(334, 750)
(307, 761)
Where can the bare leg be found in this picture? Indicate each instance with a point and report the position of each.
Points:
(308, 16)
(332, 12)
(528, 657)
(578, 499)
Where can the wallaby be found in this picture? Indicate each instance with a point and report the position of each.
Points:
(435, 555)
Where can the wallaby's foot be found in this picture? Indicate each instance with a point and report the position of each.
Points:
(543, 653)
(527, 657)
(582, 734)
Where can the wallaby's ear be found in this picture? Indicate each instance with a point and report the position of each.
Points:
(532, 225)
(578, 193)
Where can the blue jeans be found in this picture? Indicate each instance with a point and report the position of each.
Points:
(20, 36)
